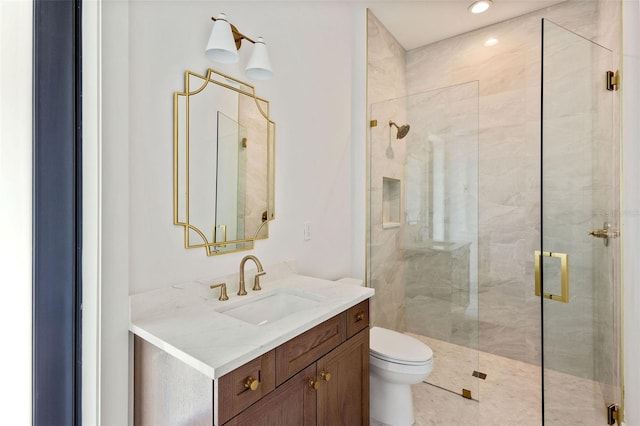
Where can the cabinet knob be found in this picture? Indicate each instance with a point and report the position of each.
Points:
(251, 383)
(313, 384)
(360, 316)
(325, 376)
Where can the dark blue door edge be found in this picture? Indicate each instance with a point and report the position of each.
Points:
(57, 212)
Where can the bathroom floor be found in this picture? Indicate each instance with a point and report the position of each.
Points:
(510, 394)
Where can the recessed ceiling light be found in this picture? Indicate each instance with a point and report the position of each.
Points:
(491, 41)
(479, 6)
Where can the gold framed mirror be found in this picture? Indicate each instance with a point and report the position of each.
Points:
(223, 163)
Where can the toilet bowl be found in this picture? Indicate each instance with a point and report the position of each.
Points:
(396, 361)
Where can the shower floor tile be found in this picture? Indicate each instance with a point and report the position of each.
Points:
(510, 394)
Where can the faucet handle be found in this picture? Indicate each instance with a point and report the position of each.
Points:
(256, 281)
(223, 291)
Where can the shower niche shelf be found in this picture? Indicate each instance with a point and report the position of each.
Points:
(391, 191)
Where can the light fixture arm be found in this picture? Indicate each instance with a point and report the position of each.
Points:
(237, 35)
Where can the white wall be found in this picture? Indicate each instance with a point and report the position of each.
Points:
(15, 211)
(313, 47)
(630, 88)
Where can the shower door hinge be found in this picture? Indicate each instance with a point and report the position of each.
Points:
(612, 80)
(612, 414)
(479, 374)
(466, 393)
(373, 123)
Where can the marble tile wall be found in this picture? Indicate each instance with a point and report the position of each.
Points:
(441, 232)
(438, 302)
(605, 191)
(386, 73)
(432, 125)
(567, 197)
(509, 76)
(509, 179)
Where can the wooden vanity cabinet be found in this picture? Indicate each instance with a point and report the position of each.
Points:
(341, 397)
(320, 377)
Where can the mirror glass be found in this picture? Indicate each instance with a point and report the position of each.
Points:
(223, 163)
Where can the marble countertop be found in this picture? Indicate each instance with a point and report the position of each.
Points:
(183, 320)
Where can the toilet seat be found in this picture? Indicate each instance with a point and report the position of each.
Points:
(391, 346)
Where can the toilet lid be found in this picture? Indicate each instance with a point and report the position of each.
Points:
(394, 346)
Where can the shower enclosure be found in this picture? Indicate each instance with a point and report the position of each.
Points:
(494, 223)
(424, 226)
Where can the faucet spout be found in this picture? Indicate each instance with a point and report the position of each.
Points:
(256, 281)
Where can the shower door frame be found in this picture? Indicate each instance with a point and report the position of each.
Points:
(610, 382)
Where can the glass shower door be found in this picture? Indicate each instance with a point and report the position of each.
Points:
(578, 268)
(423, 227)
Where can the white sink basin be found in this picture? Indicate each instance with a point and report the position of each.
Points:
(271, 307)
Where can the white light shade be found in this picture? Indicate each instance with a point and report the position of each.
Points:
(259, 66)
(221, 47)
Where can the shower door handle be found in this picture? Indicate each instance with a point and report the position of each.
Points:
(564, 276)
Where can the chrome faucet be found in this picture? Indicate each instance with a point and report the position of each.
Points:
(256, 281)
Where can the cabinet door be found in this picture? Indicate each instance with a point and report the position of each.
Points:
(291, 404)
(343, 396)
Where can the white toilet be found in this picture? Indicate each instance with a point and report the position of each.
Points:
(396, 361)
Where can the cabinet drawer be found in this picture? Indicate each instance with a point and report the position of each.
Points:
(357, 318)
(239, 389)
(306, 348)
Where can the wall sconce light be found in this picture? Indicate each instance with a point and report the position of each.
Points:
(224, 42)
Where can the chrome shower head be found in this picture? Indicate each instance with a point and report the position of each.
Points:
(402, 130)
